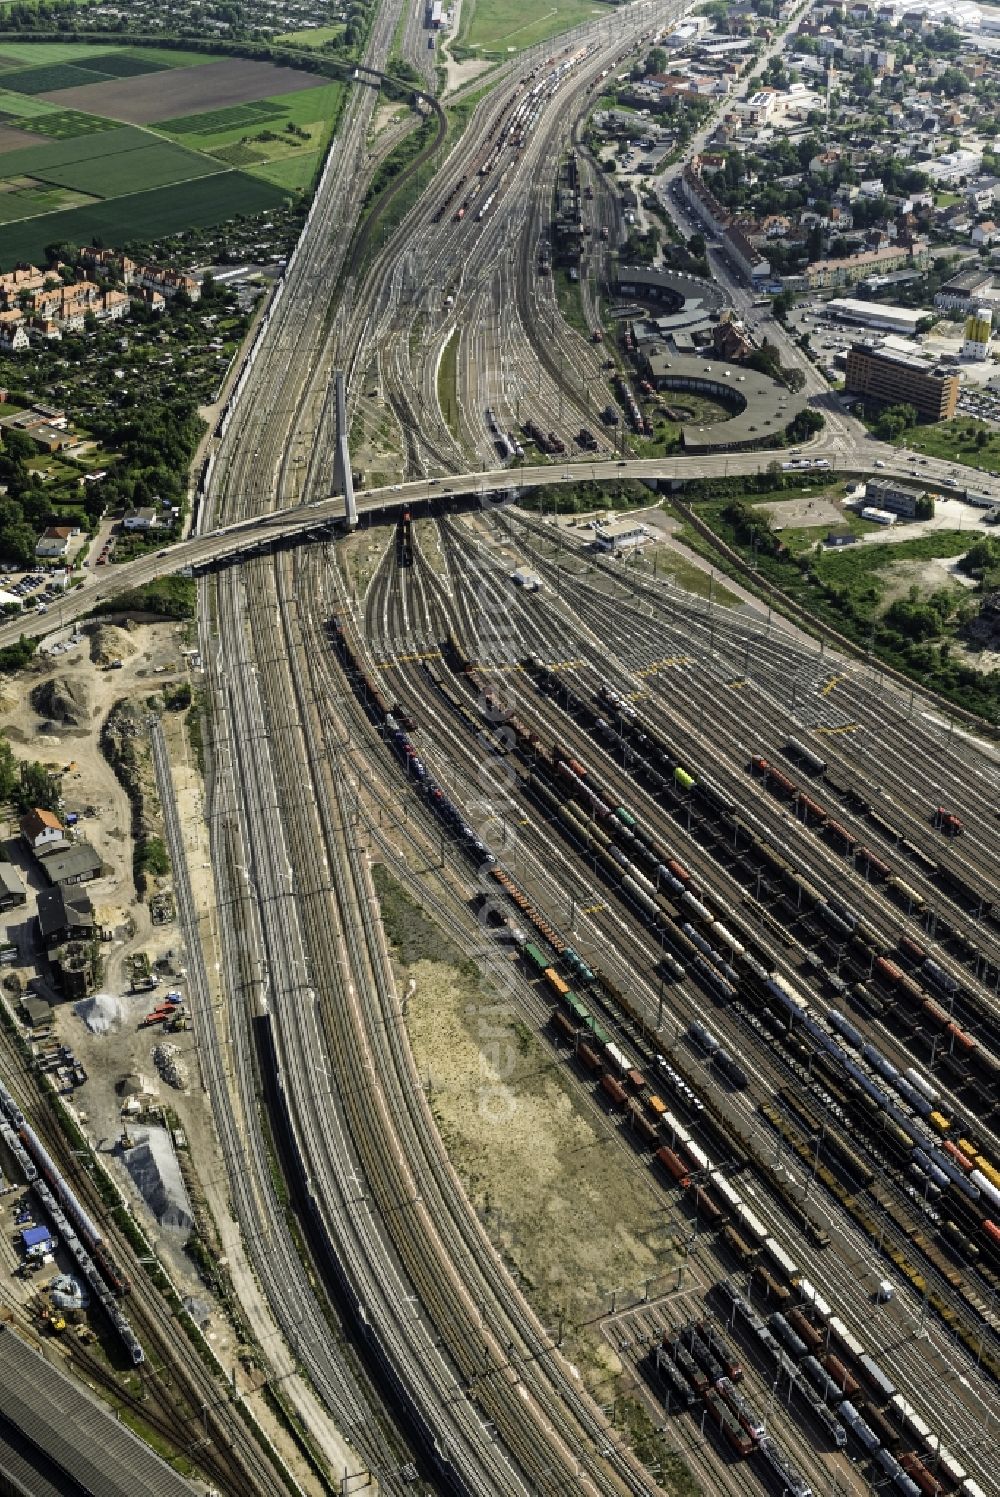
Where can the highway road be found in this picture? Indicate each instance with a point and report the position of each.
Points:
(310, 519)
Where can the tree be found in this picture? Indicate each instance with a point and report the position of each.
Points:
(894, 420)
(36, 786)
(953, 83)
(696, 244)
(656, 61)
(806, 424)
(815, 243)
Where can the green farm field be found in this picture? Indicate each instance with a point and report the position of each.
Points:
(311, 37)
(511, 25)
(142, 216)
(30, 54)
(224, 127)
(22, 107)
(294, 173)
(158, 164)
(34, 198)
(93, 176)
(65, 124)
(56, 75)
(119, 140)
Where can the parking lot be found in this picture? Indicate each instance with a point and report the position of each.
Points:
(981, 402)
(29, 588)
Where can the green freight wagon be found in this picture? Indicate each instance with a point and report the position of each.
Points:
(534, 957)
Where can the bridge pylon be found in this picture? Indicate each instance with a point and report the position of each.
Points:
(343, 481)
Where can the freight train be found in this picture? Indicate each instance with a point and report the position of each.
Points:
(855, 1391)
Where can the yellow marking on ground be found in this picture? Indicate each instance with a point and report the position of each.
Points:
(846, 728)
(665, 664)
(738, 684)
(593, 909)
(833, 682)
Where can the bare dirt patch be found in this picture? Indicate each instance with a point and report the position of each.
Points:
(927, 575)
(12, 139)
(179, 91)
(802, 513)
(540, 1167)
(110, 642)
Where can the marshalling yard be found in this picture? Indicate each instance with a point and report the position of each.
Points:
(572, 1009)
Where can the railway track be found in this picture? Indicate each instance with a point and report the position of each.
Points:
(469, 575)
(182, 1395)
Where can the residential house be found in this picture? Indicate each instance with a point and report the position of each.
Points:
(143, 519)
(844, 272)
(12, 890)
(54, 542)
(985, 233)
(13, 335)
(169, 283)
(42, 830)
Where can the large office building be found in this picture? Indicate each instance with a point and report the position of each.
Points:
(879, 371)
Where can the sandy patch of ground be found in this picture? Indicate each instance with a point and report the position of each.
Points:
(461, 74)
(802, 513)
(458, 74)
(926, 575)
(538, 1168)
(387, 115)
(359, 555)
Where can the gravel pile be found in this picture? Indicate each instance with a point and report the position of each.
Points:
(153, 1166)
(102, 1013)
(173, 1071)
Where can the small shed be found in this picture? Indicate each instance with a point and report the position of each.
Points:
(36, 1240)
(37, 1012)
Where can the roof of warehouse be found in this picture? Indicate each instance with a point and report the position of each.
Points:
(853, 306)
(767, 407)
(28, 1478)
(70, 861)
(70, 1434)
